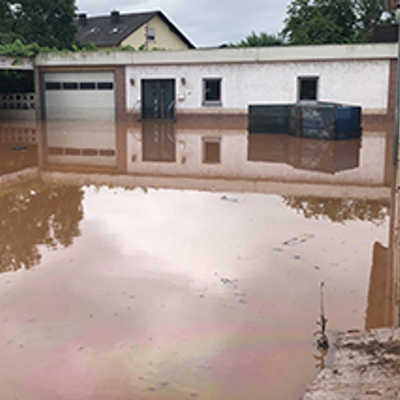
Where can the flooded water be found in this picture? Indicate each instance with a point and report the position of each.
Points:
(159, 261)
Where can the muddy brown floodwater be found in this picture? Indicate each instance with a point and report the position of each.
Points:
(154, 261)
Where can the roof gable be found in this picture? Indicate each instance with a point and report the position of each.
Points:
(102, 31)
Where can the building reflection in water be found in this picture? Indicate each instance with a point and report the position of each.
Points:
(84, 143)
(383, 293)
(168, 149)
(345, 181)
(159, 142)
(312, 154)
(18, 147)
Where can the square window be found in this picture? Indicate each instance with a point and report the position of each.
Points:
(308, 88)
(212, 92)
(70, 85)
(211, 150)
(87, 86)
(53, 85)
(105, 85)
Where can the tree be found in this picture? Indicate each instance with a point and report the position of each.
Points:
(49, 23)
(332, 21)
(370, 13)
(261, 40)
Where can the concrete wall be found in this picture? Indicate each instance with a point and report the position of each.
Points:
(253, 83)
(221, 56)
(165, 38)
(355, 74)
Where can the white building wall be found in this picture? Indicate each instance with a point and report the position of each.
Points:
(364, 83)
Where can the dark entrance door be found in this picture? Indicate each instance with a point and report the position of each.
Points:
(158, 99)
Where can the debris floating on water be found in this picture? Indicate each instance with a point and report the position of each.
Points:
(298, 240)
(231, 199)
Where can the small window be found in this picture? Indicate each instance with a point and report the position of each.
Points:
(87, 86)
(53, 85)
(308, 88)
(105, 86)
(70, 85)
(151, 34)
(211, 150)
(212, 91)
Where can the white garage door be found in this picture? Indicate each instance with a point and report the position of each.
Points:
(87, 96)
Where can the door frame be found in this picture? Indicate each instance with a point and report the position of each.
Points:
(142, 89)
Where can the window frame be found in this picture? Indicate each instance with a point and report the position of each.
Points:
(109, 85)
(70, 86)
(151, 34)
(50, 85)
(87, 85)
(216, 140)
(301, 79)
(215, 103)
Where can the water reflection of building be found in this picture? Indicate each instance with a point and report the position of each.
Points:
(165, 149)
(81, 143)
(342, 181)
(383, 294)
(380, 296)
(312, 155)
(18, 147)
(159, 144)
(237, 155)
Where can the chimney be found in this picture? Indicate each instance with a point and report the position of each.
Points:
(82, 19)
(114, 17)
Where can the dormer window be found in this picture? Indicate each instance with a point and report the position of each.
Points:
(115, 30)
(94, 29)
